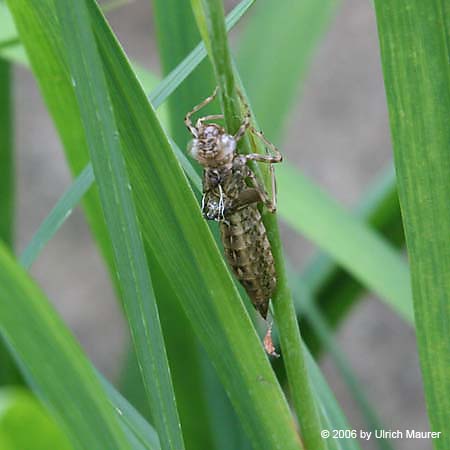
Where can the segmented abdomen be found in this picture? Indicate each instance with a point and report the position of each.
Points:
(248, 252)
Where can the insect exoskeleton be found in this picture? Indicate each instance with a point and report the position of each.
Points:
(231, 193)
(212, 147)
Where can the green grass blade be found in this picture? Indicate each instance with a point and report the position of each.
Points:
(184, 36)
(6, 156)
(135, 427)
(33, 330)
(57, 216)
(306, 304)
(415, 46)
(8, 371)
(174, 78)
(358, 249)
(340, 361)
(300, 26)
(180, 242)
(188, 372)
(210, 19)
(331, 414)
(177, 36)
(103, 137)
(334, 288)
(45, 51)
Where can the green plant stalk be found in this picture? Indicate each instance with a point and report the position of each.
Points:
(210, 20)
(415, 46)
(174, 18)
(212, 30)
(103, 138)
(324, 333)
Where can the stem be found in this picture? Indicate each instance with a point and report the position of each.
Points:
(210, 20)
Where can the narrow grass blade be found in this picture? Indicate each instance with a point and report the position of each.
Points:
(103, 138)
(307, 306)
(180, 242)
(415, 46)
(176, 76)
(174, 18)
(188, 372)
(7, 168)
(135, 427)
(45, 51)
(361, 251)
(57, 216)
(8, 372)
(299, 27)
(331, 414)
(210, 19)
(34, 331)
(19, 410)
(335, 288)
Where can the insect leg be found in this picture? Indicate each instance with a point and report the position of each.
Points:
(273, 158)
(246, 122)
(210, 117)
(221, 204)
(187, 119)
(271, 203)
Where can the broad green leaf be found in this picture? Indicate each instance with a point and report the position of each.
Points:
(358, 249)
(415, 47)
(210, 20)
(103, 138)
(299, 27)
(34, 331)
(26, 424)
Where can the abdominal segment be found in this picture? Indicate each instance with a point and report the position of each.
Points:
(248, 252)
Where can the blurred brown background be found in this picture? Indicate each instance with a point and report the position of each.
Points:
(338, 135)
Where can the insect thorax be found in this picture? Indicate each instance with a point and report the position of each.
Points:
(221, 189)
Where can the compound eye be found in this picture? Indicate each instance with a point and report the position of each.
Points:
(228, 144)
(192, 148)
(211, 131)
